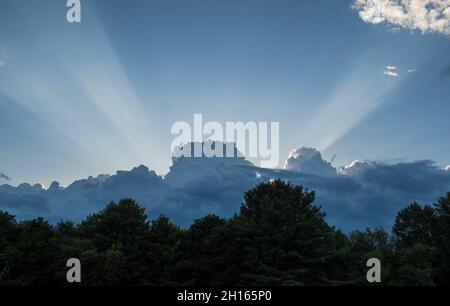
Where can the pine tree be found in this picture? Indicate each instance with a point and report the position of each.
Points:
(284, 237)
(32, 259)
(119, 231)
(442, 240)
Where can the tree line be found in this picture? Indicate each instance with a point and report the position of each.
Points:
(279, 237)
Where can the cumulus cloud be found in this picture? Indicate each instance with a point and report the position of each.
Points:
(447, 168)
(422, 15)
(309, 160)
(354, 168)
(359, 195)
(391, 73)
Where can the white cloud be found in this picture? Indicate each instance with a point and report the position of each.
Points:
(391, 67)
(422, 15)
(394, 30)
(390, 73)
(412, 70)
(354, 168)
(309, 160)
(447, 168)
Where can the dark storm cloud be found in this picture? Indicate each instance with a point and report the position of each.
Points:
(360, 195)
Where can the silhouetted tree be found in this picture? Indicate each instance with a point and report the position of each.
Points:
(371, 243)
(120, 234)
(414, 233)
(164, 239)
(200, 255)
(414, 224)
(72, 245)
(32, 259)
(8, 235)
(414, 266)
(279, 237)
(284, 237)
(442, 241)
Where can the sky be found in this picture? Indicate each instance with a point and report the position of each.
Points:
(90, 98)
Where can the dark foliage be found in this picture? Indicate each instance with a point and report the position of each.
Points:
(279, 237)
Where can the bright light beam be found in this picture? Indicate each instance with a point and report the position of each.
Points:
(362, 93)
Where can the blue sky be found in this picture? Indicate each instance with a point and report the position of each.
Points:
(83, 99)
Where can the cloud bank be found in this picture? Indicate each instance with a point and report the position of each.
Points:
(423, 15)
(362, 194)
(309, 160)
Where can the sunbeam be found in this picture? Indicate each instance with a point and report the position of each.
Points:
(87, 99)
(354, 99)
